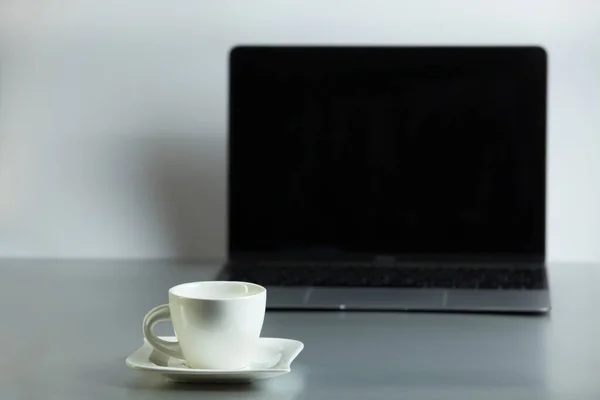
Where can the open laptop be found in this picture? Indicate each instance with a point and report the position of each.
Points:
(389, 178)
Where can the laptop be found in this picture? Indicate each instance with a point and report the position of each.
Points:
(389, 178)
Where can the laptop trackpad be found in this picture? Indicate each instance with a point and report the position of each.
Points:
(376, 298)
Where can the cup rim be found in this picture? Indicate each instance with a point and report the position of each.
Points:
(173, 290)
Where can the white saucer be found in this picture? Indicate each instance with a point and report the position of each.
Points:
(275, 357)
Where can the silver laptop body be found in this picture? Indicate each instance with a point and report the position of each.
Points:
(389, 178)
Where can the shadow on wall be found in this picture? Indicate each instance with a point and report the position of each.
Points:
(188, 180)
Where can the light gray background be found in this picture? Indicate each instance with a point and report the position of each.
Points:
(113, 113)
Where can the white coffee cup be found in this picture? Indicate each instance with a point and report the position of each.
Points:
(217, 323)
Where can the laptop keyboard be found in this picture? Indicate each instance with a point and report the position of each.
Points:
(397, 277)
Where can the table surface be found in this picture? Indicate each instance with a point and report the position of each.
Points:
(69, 325)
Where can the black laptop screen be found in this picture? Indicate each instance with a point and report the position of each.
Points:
(389, 151)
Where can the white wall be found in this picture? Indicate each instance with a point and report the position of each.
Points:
(113, 113)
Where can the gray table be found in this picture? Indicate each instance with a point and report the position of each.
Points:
(68, 326)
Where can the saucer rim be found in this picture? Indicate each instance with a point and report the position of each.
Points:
(299, 346)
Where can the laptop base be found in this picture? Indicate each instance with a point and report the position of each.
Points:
(400, 299)
(381, 298)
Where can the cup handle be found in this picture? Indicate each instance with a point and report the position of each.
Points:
(153, 317)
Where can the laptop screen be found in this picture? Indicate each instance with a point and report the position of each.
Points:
(391, 151)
